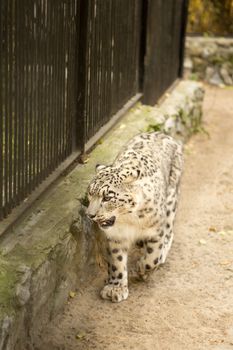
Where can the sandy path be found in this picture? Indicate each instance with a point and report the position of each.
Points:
(187, 303)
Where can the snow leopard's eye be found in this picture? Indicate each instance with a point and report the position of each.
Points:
(106, 198)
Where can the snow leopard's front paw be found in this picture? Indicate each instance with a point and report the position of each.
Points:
(115, 293)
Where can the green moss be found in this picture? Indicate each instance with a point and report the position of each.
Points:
(84, 200)
(230, 60)
(31, 257)
(155, 127)
(194, 76)
(217, 60)
(8, 280)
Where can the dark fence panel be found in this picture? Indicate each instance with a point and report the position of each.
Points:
(68, 66)
(112, 33)
(164, 48)
(38, 87)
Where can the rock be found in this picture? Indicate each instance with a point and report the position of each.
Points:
(170, 124)
(216, 79)
(226, 76)
(209, 49)
(209, 73)
(23, 287)
(205, 56)
(188, 63)
(22, 294)
(198, 64)
(4, 332)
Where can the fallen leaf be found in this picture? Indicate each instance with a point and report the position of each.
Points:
(100, 141)
(222, 233)
(226, 262)
(81, 335)
(202, 241)
(84, 159)
(222, 86)
(122, 126)
(72, 294)
(212, 229)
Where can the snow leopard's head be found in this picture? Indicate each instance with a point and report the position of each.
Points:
(112, 195)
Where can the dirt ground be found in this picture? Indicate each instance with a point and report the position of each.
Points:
(188, 302)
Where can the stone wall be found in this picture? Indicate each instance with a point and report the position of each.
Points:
(209, 59)
(54, 249)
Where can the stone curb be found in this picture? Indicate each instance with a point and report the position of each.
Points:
(52, 250)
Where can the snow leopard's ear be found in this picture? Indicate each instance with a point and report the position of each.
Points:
(133, 175)
(99, 167)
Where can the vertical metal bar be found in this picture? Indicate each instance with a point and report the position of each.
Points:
(39, 19)
(40, 82)
(113, 16)
(2, 59)
(64, 115)
(15, 111)
(184, 18)
(108, 63)
(56, 27)
(82, 69)
(22, 125)
(30, 102)
(11, 97)
(43, 87)
(60, 91)
(71, 136)
(97, 58)
(47, 83)
(90, 65)
(37, 94)
(33, 101)
(22, 102)
(52, 74)
(115, 56)
(106, 53)
(97, 52)
(102, 60)
(17, 99)
(74, 87)
(26, 112)
(7, 116)
(63, 53)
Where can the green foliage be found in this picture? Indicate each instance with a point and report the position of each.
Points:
(84, 200)
(211, 17)
(154, 127)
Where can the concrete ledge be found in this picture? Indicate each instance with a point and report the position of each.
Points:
(53, 249)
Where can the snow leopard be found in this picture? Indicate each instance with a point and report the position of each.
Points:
(134, 200)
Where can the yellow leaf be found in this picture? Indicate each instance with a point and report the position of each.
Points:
(72, 294)
(222, 233)
(81, 335)
(226, 262)
(202, 241)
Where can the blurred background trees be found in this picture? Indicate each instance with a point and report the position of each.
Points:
(210, 17)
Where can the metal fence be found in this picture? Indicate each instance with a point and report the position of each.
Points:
(37, 88)
(111, 59)
(68, 66)
(166, 23)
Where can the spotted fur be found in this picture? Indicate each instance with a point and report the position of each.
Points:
(135, 200)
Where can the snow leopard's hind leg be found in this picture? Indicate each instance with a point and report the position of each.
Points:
(172, 198)
(153, 247)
